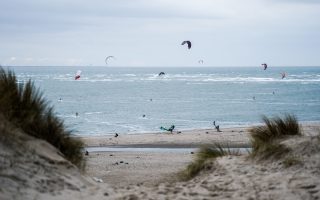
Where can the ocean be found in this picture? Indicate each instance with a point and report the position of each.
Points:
(129, 100)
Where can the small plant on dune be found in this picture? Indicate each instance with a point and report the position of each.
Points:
(266, 139)
(24, 106)
(201, 162)
(290, 161)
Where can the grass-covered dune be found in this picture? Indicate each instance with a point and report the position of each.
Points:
(265, 142)
(26, 109)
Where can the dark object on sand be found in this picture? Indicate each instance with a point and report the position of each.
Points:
(116, 135)
(87, 153)
(217, 127)
(192, 152)
(168, 129)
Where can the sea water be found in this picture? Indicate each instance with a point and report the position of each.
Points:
(136, 100)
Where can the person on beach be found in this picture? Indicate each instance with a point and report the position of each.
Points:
(217, 127)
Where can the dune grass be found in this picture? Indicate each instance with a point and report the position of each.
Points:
(24, 106)
(202, 160)
(266, 139)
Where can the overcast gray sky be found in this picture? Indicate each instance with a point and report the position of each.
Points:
(150, 32)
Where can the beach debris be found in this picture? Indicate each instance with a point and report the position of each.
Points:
(107, 58)
(191, 152)
(99, 180)
(78, 75)
(161, 74)
(207, 132)
(126, 163)
(283, 75)
(87, 153)
(216, 126)
(168, 129)
(116, 163)
(116, 135)
(264, 65)
(111, 155)
(121, 161)
(187, 42)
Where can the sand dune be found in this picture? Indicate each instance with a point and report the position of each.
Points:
(33, 169)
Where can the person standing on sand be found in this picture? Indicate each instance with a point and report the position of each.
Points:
(217, 127)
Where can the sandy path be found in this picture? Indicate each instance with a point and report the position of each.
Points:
(121, 169)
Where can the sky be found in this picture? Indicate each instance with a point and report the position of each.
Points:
(150, 32)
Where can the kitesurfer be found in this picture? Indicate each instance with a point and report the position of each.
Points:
(161, 73)
(217, 127)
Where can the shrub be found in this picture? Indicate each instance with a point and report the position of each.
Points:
(202, 157)
(24, 106)
(265, 139)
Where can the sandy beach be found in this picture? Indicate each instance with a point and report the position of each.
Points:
(236, 137)
(123, 168)
(42, 173)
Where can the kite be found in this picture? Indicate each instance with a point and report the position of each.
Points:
(188, 42)
(107, 58)
(264, 66)
(77, 76)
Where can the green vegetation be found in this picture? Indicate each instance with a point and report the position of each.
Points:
(24, 107)
(203, 157)
(266, 139)
(291, 160)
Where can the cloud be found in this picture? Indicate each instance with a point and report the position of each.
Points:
(150, 32)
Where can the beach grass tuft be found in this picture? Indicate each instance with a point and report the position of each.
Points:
(266, 139)
(291, 160)
(202, 160)
(25, 107)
